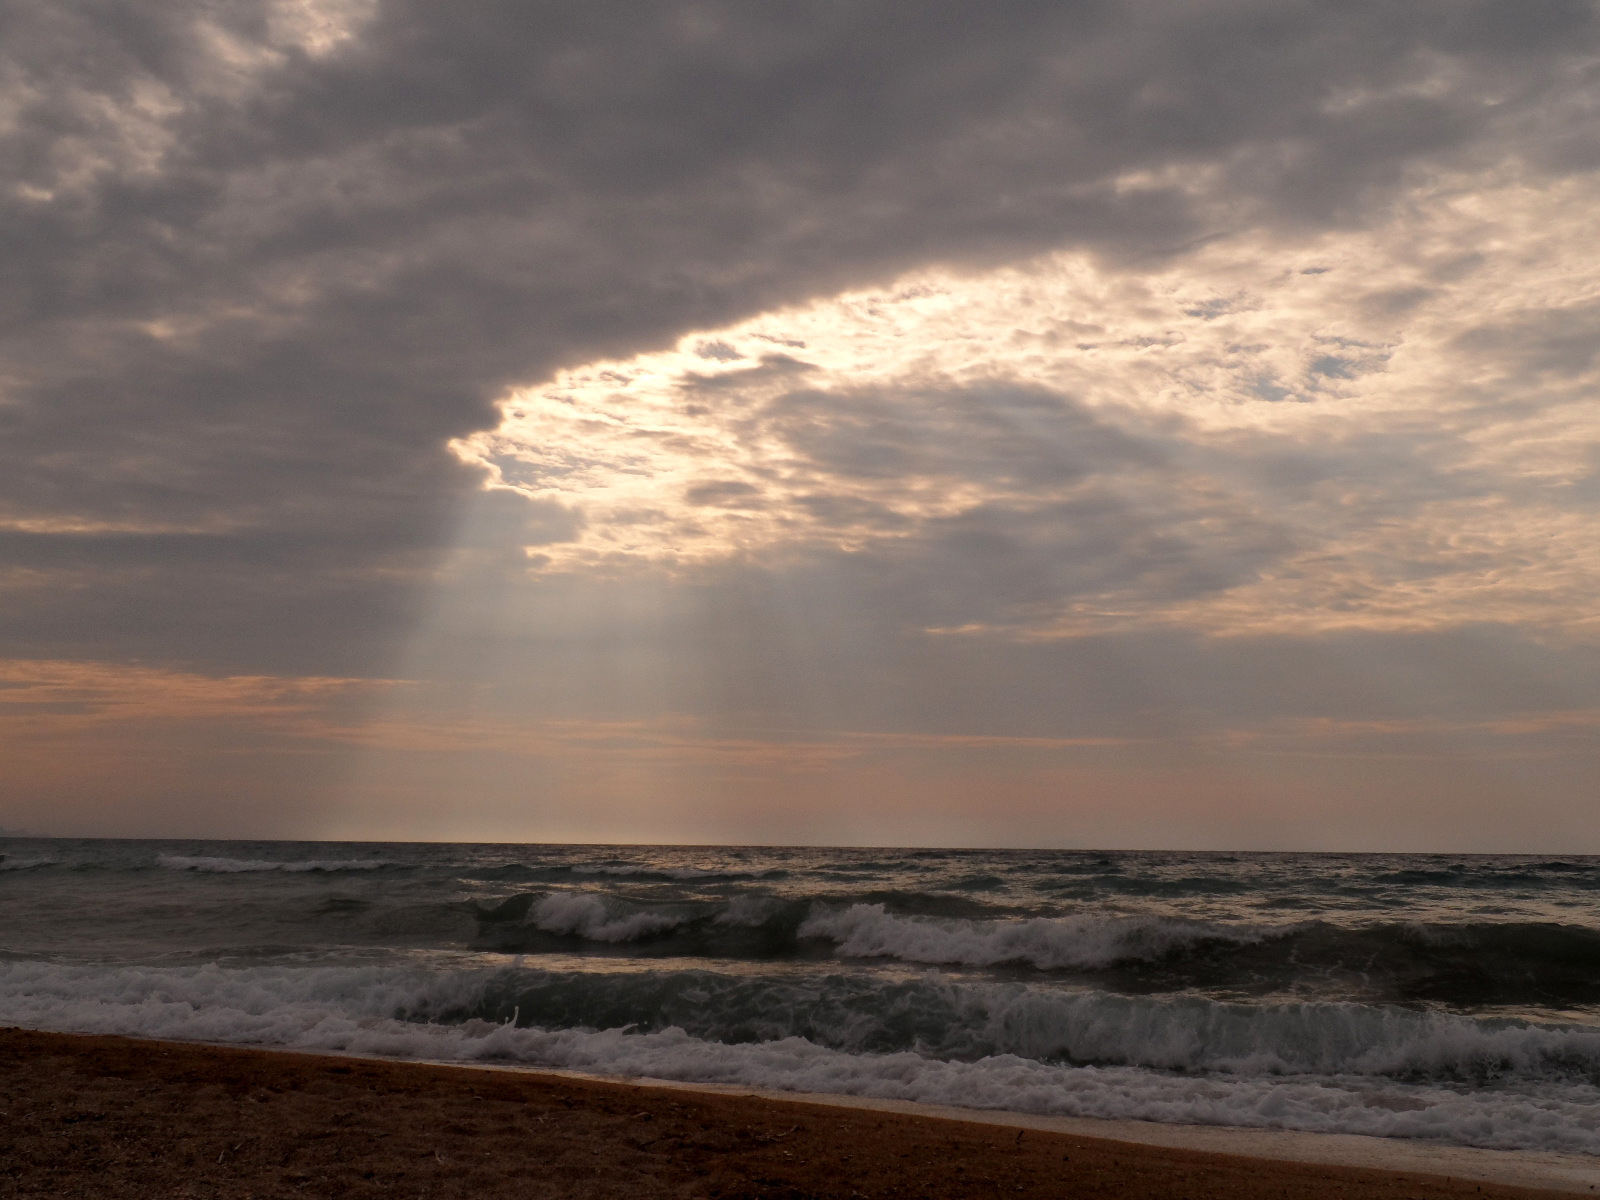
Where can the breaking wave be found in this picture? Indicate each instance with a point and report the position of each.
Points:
(589, 916)
(8, 863)
(1314, 1066)
(1463, 965)
(1412, 995)
(868, 931)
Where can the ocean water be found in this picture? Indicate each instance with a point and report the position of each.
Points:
(1453, 997)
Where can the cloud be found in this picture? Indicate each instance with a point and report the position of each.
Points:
(102, 749)
(264, 260)
(38, 692)
(1236, 442)
(1122, 374)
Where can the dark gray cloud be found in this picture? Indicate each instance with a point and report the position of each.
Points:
(1000, 435)
(252, 289)
(1067, 506)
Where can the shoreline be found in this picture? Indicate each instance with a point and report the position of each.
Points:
(148, 1117)
(1578, 1174)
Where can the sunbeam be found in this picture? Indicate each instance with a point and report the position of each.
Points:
(1019, 556)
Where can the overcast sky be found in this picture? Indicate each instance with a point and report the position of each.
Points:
(1095, 423)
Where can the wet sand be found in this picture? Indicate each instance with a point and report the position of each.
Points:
(85, 1116)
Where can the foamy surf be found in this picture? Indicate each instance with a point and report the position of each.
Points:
(587, 916)
(1389, 995)
(1386, 1074)
(868, 931)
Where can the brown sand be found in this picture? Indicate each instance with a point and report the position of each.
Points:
(117, 1117)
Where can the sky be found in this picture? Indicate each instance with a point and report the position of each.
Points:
(1084, 423)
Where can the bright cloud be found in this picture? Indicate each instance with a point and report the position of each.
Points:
(1383, 429)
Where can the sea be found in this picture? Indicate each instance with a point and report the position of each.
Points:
(1446, 997)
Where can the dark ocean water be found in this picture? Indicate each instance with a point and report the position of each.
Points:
(1447, 997)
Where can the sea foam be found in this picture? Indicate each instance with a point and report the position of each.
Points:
(1237, 1071)
(869, 931)
(593, 917)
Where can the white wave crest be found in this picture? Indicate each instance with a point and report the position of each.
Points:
(1049, 943)
(235, 866)
(356, 1011)
(1189, 1033)
(592, 917)
(750, 912)
(25, 864)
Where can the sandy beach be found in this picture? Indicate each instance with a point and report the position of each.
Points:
(89, 1116)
